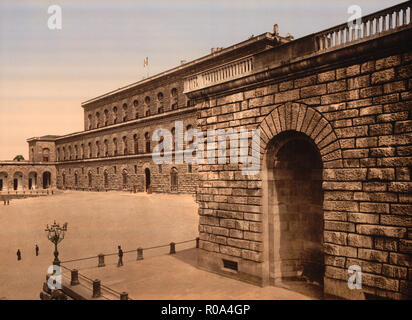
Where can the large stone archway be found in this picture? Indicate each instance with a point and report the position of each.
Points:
(297, 142)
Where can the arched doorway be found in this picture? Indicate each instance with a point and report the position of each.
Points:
(173, 179)
(294, 204)
(32, 180)
(3, 181)
(147, 178)
(18, 181)
(46, 180)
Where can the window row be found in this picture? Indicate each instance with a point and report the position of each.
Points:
(110, 147)
(114, 115)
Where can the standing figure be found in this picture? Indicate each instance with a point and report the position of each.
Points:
(120, 263)
(37, 250)
(18, 254)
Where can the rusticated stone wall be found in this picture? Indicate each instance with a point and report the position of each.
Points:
(357, 117)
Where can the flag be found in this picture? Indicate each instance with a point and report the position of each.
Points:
(146, 62)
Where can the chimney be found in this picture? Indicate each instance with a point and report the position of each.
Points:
(275, 30)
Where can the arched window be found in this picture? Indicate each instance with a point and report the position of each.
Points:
(76, 152)
(173, 179)
(97, 148)
(136, 143)
(189, 127)
(173, 138)
(90, 179)
(160, 103)
(97, 119)
(46, 153)
(124, 178)
(70, 152)
(57, 154)
(125, 151)
(64, 153)
(89, 117)
(125, 112)
(115, 115)
(173, 96)
(106, 117)
(106, 148)
(90, 149)
(76, 179)
(136, 111)
(147, 141)
(147, 105)
(115, 146)
(106, 179)
(82, 150)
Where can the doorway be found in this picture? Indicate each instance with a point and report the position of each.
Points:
(147, 177)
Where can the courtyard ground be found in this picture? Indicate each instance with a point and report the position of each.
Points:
(97, 223)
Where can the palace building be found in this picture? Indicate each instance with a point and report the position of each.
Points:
(334, 187)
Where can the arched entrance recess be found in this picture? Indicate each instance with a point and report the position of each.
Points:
(296, 142)
(46, 180)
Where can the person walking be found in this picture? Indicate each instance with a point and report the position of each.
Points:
(120, 263)
(18, 254)
(37, 250)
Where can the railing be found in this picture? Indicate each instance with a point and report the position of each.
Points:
(226, 72)
(95, 285)
(373, 24)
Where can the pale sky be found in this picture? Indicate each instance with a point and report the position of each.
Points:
(46, 74)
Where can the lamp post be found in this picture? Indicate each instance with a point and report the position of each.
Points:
(55, 234)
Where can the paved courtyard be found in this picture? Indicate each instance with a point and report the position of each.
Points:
(97, 222)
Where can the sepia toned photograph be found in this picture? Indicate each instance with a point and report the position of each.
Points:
(191, 150)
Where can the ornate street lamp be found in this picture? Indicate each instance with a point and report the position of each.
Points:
(55, 234)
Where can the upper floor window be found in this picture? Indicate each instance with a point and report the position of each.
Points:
(64, 153)
(106, 148)
(114, 115)
(125, 112)
(147, 103)
(147, 141)
(82, 150)
(57, 154)
(97, 119)
(76, 152)
(115, 146)
(136, 104)
(173, 96)
(90, 149)
(136, 143)
(106, 117)
(70, 152)
(124, 145)
(97, 148)
(46, 153)
(89, 119)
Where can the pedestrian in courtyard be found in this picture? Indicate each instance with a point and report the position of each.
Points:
(37, 250)
(120, 263)
(18, 254)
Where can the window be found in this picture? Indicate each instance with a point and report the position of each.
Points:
(89, 117)
(97, 149)
(188, 128)
(147, 103)
(124, 145)
(106, 148)
(90, 149)
(135, 169)
(64, 153)
(173, 138)
(106, 117)
(82, 151)
(173, 96)
(76, 179)
(136, 144)
(147, 141)
(46, 153)
(64, 179)
(125, 112)
(70, 152)
(115, 169)
(114, 115)
(189, 168)
(97, 119)
(115, 146)
(159, 102)
(32, 154)
(136, 103)
(76, 152)
(57, 154)
(98, 170)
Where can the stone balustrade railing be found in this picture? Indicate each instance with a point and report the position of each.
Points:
(226, 72)
(374, 24)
